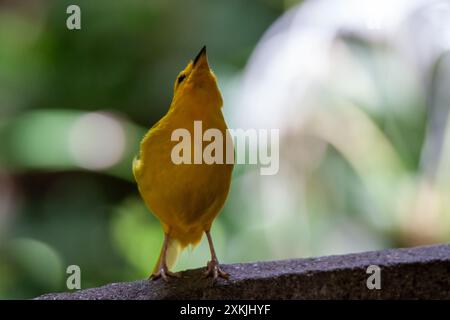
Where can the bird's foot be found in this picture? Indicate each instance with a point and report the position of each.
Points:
(213, 270)
(164, 273)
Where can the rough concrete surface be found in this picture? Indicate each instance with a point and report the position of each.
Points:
(415, 273)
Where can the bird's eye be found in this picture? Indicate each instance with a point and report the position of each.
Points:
(181, 78)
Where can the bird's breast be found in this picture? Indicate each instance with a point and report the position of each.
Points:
(183, 194)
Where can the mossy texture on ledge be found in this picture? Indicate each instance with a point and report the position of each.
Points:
(415, 273)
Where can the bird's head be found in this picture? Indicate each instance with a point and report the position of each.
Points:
(197, 83)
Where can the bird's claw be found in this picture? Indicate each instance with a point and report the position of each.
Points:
(213, 270)
(164, 273)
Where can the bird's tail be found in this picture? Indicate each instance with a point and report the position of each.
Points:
(174, 249)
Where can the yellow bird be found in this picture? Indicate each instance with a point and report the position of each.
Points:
(186, 198)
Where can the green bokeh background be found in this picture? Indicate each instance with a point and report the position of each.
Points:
(123, 61)
(56, 212)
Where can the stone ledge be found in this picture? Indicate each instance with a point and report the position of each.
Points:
(414, 273)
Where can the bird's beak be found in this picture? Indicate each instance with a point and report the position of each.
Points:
(201, 59)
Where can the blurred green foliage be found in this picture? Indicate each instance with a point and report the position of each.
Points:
(356, 125)
(123, 61)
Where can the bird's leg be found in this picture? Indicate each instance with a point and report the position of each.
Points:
(212, 268)
(162, 271)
